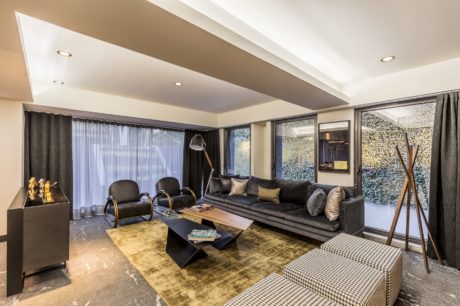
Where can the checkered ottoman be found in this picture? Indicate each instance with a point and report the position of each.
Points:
(275, 290)
(373, 254)
(337, 278)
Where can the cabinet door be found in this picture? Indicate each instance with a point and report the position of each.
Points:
(46, 235)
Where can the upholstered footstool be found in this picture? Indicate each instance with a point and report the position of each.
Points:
(276, 290)
(385, 258)
(337, 278)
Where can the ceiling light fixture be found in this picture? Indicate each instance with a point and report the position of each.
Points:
(58, 82)
(64, 53)
(178, 83)
(387, 59)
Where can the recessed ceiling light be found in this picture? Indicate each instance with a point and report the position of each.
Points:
(64, 53)
(58, 82)
(387, 59)
(178, 83)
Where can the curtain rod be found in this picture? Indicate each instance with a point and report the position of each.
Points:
(135, 124)
(127, 123)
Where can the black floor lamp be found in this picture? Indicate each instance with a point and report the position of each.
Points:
(197, 143)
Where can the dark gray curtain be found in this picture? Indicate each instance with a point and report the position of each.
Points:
(444, 214)
(196, 170)
(213, 148)
(48, 150)
(193, 165)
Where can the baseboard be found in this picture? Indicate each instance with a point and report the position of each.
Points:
(395, 242)
(3, 238)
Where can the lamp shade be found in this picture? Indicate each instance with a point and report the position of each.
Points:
(197, 143)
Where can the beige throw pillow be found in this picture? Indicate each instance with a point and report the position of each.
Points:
(269, 194)
(239, 187)
(334, 198)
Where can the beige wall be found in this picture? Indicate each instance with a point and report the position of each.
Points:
(11, 136)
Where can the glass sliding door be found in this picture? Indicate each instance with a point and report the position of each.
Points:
(382, 175)
(294, 149)
(238, 159)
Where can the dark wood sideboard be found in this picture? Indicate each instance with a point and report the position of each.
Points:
(37, 235)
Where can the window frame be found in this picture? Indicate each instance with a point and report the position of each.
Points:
(315, 136)
(357, 160)
(227, 145)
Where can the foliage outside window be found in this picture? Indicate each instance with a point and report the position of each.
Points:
(239, 151)
(295, 149)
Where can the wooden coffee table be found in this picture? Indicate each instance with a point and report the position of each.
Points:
(216, 215)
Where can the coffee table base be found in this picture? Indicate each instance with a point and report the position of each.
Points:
(226, 238)
(182, 251)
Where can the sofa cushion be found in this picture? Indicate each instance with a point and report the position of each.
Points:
(293, 191)
(240, 200)
(350, 191)
(226, 181)
(317, 202)
(302, 216)
(216, 196)
(215, 185)
(255, 182)
(277, 210)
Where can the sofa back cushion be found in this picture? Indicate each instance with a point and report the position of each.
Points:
(293, 191)
(215, 185)
(226, 181)
(255, 182)
(350, 192)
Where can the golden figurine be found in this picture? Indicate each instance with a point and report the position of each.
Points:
(32, 183)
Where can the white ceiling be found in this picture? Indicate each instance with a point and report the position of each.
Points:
(103, 67)
(338, 42)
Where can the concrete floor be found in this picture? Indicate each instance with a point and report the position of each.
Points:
(99, 274)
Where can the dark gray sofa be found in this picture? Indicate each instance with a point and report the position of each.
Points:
(291, 214)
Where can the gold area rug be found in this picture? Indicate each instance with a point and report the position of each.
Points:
(212, 280)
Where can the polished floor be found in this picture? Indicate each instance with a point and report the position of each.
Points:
(99, 274)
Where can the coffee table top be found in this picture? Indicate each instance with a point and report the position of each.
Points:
(220, 216)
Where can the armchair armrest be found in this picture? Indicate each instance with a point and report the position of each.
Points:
(187, 189)
(352, 215)
(111, 199)
(165, 194)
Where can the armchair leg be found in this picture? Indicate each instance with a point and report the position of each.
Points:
(113, 223)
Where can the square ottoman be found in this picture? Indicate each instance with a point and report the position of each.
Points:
(337, 278)
(275, 290)
(385, 258)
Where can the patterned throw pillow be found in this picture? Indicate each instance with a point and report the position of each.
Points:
(239, 187)
(334, 198)
(269, 194)
(317, 202)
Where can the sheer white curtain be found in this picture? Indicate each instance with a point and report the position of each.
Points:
(106, 152)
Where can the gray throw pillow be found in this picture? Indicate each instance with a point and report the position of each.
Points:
(317, 202)
(215, 185)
